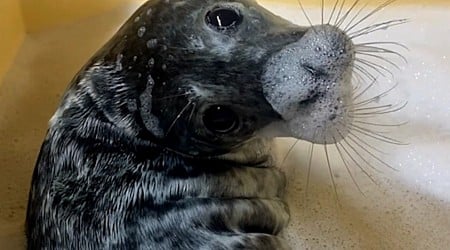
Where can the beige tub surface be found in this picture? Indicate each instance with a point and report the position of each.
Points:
(46, 62)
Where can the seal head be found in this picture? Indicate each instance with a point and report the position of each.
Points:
(202, 79)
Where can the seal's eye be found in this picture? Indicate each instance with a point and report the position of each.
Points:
(220, 119)
(223, 18)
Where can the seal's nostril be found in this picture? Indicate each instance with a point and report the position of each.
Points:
(314, 71)
(309, 69)
(311, 99)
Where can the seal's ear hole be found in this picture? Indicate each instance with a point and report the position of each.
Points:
(223, 18)
(220, 119)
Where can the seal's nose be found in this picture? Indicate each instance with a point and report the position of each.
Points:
(325, 49)
(308, 83)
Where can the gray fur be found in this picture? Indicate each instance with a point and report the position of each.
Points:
(128, 161)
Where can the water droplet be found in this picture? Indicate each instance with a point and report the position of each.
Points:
(135, 58)
(164, 67)
(141, 31)
(137, 19)
(149, 12)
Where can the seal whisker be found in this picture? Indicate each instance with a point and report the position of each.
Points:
(306, 15)
(308, 177)
(347, 167)
(346, 29)
(289, 151)
(366, 143)
(372, 154)
(357, 163)
(378, 68)
(373, 108)
(330, 171)
(373, 49)
(377, 27)
(323, 10)
(338, 16)
(390, 62)
(373, 12)
(382, 43)
(358, 77)
(363, 92)
(364, 71)
(374, 98)
(333, 11)
(359, 83)
(379, 124)
(178, 117)
(343, 18)
(370, 45)
(373, 130)
(393, 109)
(375, 64)
(376, 136)
(356, 85)
(360, 156)
(192, 113)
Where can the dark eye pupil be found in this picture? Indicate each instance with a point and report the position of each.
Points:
(223, 19)
(220, 119)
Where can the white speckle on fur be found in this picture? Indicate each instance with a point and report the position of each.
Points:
(149, 12)
(152, 43)
(196, 42)
(179, 4)
(141, 31)
(201, 92)
(119, 66)
(223, 47)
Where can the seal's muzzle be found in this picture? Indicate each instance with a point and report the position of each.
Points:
(308, 83)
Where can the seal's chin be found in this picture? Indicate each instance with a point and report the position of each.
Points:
(322, 122)
(308, 83)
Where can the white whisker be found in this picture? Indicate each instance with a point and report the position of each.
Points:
(347, 167)
(178, 117)
(372, 13)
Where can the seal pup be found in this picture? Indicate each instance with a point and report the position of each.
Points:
(162, 140)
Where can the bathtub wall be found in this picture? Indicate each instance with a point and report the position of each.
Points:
(12, 31)
(19, 17)
(44, 14)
